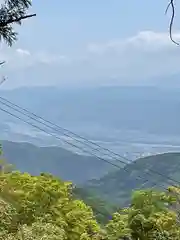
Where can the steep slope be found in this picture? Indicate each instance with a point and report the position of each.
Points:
(116, 187)
(54, 160)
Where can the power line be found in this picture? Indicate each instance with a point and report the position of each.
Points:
(66, 130)
(115, 165)
(73, 145)
(60, 129)
(53, 135)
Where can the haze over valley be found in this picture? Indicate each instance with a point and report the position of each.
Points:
(132, 121)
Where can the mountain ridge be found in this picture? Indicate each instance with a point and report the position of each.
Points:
(27, 157)
(155, 171)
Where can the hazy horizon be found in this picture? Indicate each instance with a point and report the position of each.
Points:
(138, 120)
(76, 49)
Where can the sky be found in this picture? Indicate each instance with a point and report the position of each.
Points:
(91, 43)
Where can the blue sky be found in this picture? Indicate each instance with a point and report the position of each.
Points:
(93, 42)
(72, 23)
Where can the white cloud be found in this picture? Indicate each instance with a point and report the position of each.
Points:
(132, 60)
(22, 58)
(49, 58)
(152, 39)
(145, 40)
(146, 55)
(23, 52)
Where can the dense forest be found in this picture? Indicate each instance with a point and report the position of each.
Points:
(159, 172)
(44, 207)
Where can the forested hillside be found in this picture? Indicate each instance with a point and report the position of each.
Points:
(158, 171)
(111, 189)
(55, 160)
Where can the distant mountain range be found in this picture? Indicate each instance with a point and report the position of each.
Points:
(57, 161)
(129, 120)
(103, 110)
(116, 187)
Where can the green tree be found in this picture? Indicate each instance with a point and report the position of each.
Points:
(149, 217)
(12, 11)
(4, 166)
(101, 209)
(118, 228)
(44, 200)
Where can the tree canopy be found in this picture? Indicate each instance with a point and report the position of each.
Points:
(43, 207)
(12, 11)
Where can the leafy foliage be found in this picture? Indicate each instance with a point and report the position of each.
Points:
(12, 11)
(38, 201)
(148, 217)
(101, 209)
(44, 207)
